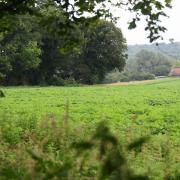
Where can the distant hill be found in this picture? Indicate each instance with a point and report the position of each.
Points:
(172, 50)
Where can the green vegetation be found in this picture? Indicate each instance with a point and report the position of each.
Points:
(49, 42)
(30, 55)
(170, 49)
(39, 131)
(144, 65)
(116, 76)
(97, 132)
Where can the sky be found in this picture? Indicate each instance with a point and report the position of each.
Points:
(139, 35)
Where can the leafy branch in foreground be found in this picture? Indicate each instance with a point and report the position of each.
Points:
(80, 12)
(109, 153)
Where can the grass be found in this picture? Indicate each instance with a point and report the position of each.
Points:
(131, 111)
(153, 104)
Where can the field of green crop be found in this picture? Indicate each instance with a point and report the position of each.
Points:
(151, 109)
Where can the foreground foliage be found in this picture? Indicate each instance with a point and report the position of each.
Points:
(60, 153)
(53, 150)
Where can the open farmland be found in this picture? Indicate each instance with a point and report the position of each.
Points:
(155, 105)
(131, 111)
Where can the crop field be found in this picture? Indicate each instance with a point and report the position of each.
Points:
(151, 109)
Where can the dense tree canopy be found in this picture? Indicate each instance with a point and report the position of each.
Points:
(33, 55)
(105, 50)
(20, 52)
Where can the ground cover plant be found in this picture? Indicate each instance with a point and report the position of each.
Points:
(53, 132)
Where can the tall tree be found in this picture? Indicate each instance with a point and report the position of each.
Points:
(104, 50)
(20, 51)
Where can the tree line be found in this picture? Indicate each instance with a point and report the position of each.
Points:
(53, 42)
(32, 55)
(144, 65)
(170, 49)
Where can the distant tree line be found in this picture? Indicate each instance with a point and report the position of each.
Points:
(32, 55)
(144, 65)
(170, 49)
(151, 62)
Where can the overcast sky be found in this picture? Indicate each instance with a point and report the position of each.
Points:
(138, 36)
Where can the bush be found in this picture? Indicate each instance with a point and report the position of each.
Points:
(71, 82)
(125, 79)
(113, 77)
(116, 76)
(56, 81)
(141, 76)
(59, 81)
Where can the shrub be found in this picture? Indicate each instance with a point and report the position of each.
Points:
(56, 81)
(71, 82)
(125, 79)
(113, 77)
(116, 76)
(141, 76)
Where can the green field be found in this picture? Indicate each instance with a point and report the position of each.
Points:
(131, 111)
(154, 105)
